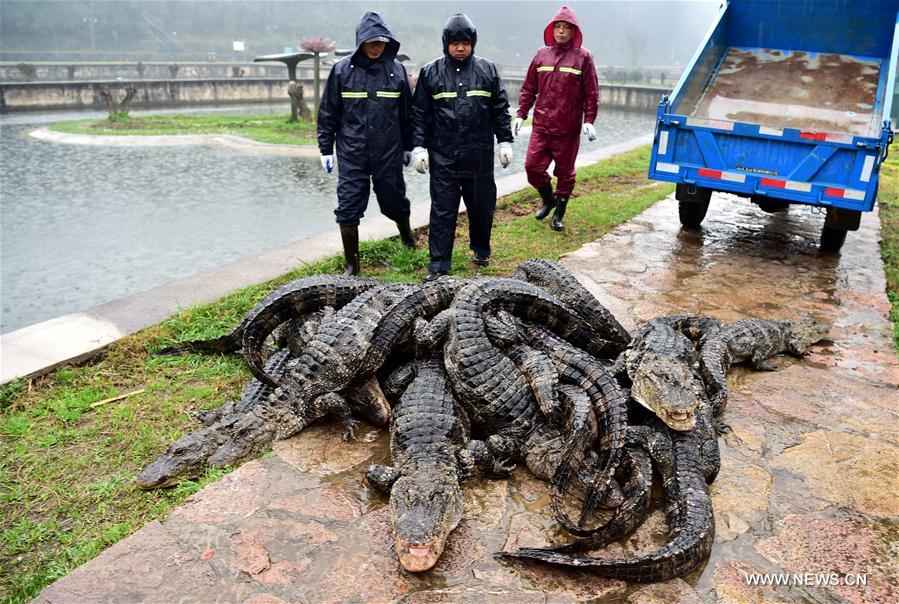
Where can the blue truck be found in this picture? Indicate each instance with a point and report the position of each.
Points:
(785, 102)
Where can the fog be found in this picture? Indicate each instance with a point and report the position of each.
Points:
(621, 33)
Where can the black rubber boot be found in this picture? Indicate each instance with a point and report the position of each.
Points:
(561, 204)
(546, 193)
(406, 234)
(350, 236)
(433, 276)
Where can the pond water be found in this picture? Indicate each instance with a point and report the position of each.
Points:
(84, 225)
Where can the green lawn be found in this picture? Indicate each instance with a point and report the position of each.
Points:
(275, 129)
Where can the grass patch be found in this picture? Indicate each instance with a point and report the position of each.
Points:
(888, 204)
(67, 471)
(274, 129)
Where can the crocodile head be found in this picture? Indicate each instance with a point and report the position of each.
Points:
(802, 334)
(669, 389)
(426, 506)
(185, 458)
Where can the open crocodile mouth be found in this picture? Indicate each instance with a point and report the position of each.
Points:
(418, 557)
(679, 419)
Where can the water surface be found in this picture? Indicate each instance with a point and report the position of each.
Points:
(84, 225)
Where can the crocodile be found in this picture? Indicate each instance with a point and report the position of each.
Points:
(344, 354)
(432, 455)
(555, 279)
(555, 443)
(686, 461)
(609, 406)
(663, 368)
(498, 394)
(755, 340)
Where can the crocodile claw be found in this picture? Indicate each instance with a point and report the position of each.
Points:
(349, 430)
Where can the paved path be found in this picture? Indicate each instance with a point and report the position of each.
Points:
(238, 144)
(808, 483)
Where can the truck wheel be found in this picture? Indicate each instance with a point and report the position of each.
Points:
(832, 239)
(772, 206)
(693, 203)
(691, 214)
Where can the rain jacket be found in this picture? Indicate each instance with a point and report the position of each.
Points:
(562, 77)
(365, 105)
(459, 107)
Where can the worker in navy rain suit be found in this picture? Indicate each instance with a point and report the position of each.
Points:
(459, 105)
(365, 107)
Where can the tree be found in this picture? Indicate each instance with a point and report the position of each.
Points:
(117, 109)
(319, 47)
(294, 90)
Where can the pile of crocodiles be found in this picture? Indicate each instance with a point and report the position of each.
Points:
(475, 376)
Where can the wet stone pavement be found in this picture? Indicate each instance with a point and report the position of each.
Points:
(808, 482)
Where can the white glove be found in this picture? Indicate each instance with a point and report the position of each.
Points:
(420, 159)
(590, 131)
(505, 154)
(516, 126)
(407, 158)
(328, 163)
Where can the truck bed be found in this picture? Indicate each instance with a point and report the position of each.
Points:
(826, 92)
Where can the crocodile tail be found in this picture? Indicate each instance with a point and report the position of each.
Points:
(229, 342)
(687, 548)
(635, 474)
(558, 281)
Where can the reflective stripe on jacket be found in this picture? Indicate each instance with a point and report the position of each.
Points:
(458, 109)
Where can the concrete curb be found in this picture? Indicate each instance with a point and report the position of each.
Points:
(42, 347)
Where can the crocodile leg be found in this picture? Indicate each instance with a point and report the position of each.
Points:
(382, 477)
(477, 456)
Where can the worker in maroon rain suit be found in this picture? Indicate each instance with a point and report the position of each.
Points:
(365, 107)
(459, 106)
(562, 78)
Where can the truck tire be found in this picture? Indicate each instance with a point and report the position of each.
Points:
(832, 239)
(693, 203)
(691, 214)
(772, 206)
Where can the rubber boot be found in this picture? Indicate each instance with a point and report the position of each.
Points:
(350, 236)
(546, 192)
(406, 234)
(561, 204)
